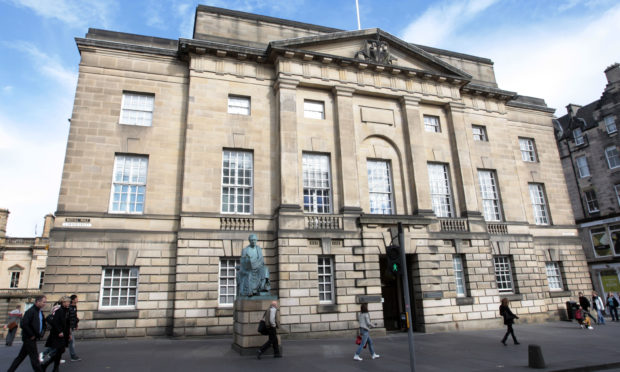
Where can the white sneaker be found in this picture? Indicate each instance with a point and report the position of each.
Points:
(357, 357)
(41, 357)
(62, 361)
(590, 327)
(375, 356)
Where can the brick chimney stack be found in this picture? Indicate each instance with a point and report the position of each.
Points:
(571, 109)
(4, 217)
(613, 73)
(49, 222)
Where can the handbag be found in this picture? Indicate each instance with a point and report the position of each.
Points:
(12, 325)
(262, 328)
(358, 340)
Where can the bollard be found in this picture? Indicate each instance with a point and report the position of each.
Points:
(535, 357)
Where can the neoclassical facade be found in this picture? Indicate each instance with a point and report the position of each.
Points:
(589, 144)
(320, 141)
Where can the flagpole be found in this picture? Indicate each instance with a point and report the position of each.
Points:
(357, 7)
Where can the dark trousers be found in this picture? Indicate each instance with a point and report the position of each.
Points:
(29, 348)
(10, 336)
(614, 313)
(511, 332)
(57, 355)
(587, 313)
(273, 341)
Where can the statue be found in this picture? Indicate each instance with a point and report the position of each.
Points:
(376, 51)
(252, 274)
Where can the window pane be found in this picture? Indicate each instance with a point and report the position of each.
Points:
(129, 185)
(379, 187)
(316, 181)
(431, 124)
(490, 196)
(503, 273)
(118, 286)
(137, 109)
(314, 109)
(228, 280)
(237, 181)
(325, 279)
(528, 152)
(539, 205)
(441, 196)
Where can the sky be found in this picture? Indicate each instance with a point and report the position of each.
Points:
(553, 49)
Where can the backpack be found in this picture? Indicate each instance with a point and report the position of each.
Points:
(579, 314)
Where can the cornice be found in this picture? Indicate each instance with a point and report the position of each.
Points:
(83, 43)
(489, 92)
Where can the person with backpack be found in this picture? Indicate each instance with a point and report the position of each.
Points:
(582, 319)
(612, 304)
(33, 326)
(509, 318)
(60, 333)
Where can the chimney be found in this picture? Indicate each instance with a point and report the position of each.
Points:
(613, 73)
(571, 109)
(49, 222)
(4, 217)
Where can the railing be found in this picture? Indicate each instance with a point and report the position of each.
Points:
(324, 222)
(237, 223)
(454, 224)
(497, 228)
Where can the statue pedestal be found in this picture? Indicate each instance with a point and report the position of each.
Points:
(247, 313)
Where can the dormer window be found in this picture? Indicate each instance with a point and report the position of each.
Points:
(578, 135)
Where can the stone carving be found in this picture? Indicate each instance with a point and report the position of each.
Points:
(376, 51)
(252, 274)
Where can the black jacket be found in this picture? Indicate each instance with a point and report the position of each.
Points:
(509, 316)
(585, 304)
(58, 325)
(30, 324)
(73, 318)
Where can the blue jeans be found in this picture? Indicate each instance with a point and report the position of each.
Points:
(72, 344)
(601, 319)
(365, 338)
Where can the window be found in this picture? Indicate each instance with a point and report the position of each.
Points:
(459, 275)
(600, 242)
(441, 195)
(14, 279)
(554, 276)
(228, 281)
(528, 151)
(614, 232)
(490, 196)
(314, 109)
(503, 274)
(137, 109)
(128, 184)
(613, 160)
(480, 133)
(379, 187)
(431, 124)
(591, 201)
(237, 182)
(537, 194)
(578, 136)
(610, 124)
(617, 190)
(41, 276)
(582, 166)
(239, 105)
(317, 189)
(119, 287)
(326, 280)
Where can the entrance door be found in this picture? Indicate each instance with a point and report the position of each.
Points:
(391, 291)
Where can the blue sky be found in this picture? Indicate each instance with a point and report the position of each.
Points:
(553, 49)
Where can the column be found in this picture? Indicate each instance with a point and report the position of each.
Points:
(348, 177)
(286, 93)
(416, 161)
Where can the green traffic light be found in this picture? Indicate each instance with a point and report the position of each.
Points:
(395, 267)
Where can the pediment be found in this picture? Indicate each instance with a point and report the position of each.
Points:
(372, 46)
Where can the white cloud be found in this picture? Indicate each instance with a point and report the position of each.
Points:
(74, 13)
(560, 59)
(442, 20)
(7, 89)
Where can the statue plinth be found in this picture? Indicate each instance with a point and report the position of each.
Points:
(247, 313)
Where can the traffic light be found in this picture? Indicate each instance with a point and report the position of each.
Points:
(395, 265)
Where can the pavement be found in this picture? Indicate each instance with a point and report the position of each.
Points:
(565, 347)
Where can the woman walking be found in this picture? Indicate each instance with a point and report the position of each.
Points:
(509, 318)
(60, 333)
(365, 325)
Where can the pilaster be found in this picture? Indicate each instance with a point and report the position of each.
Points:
(286, 92)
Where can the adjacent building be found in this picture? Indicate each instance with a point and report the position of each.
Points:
(588, 143)
(320, 141)
(22, 266)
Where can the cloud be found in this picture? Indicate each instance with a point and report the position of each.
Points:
(7, 89)
(74, 13)
(441, 21)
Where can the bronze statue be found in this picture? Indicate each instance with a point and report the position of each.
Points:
(252, 274)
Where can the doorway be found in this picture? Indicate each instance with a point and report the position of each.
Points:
(393, 302)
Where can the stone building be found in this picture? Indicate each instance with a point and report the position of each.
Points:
(320, 141)
(22, 267)
(588, 143)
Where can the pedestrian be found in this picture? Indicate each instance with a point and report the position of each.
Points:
(599, 307)
(612, 304)
(33, 325)
(60, 333)
(12, 324)
(585, 305)
(73, 324)
(582, 319)
(364, 331)
(271, 322)
(509, 318)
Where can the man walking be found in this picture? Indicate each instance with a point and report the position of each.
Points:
(12, 324)
(599, 307)
(585, 306)
(271, 324)
(73, 323)
(33, 325)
